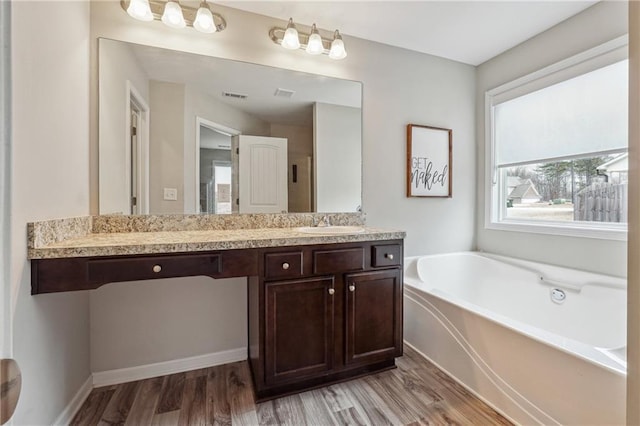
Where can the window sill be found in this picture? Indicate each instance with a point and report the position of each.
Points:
(616, 232)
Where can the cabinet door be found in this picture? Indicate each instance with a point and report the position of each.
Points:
(373, 316)
(298, 329)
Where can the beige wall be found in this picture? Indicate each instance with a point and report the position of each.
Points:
(299, 150)
(633, 292)
(399, 87)
(570, 37)
(300, 138)
(166, 145)
(146, 322)
(49, 179)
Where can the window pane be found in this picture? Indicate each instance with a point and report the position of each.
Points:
(579, 116)
(590, 189)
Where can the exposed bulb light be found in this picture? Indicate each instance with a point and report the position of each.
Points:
(204, 19)
(291, 40)
(314, 45)
(337, 47)
(175, 15)
(172, 16)
(140, 10)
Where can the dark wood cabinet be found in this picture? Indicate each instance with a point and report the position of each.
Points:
(87, 273)
(298, 329)
(341, 320)
(373, 316)
(317, 314)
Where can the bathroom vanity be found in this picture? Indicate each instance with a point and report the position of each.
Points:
(322, 308)
(321, 313)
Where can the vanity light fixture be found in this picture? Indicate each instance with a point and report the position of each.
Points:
(312, 43)
(291, 40)
(172, 16)
(337, 50)
(175, 15)
(140, 9)
(204, 19)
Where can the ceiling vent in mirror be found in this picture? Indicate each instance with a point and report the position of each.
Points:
(313, 43)
(284, 93)
(234, 95)
(175, 15)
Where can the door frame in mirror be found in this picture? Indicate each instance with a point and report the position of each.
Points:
(134, 97)
(203, 122)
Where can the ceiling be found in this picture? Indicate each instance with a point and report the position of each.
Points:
(260, 84)
(471, 32)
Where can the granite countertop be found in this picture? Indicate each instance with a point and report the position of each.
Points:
(132, 243)
(86, 236)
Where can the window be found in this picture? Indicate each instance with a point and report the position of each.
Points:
(558, 148)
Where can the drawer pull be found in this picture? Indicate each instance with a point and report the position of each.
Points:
(157, 268)
(352, 287)
(389, 256)
(331, 291)
(285, 265)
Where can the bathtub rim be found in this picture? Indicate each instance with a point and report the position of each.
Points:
(592, 354)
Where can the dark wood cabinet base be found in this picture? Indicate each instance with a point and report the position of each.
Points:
(324, 314)
(318, 382)
(317, 314)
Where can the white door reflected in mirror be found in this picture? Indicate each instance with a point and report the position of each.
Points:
(263, 171)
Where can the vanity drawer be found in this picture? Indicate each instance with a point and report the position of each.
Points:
(148, 267)
(341, 260)
(283, 265)
(386, 255)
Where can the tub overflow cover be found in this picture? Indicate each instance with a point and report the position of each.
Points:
(558, 295)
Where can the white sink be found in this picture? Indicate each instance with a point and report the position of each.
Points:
(330, 230)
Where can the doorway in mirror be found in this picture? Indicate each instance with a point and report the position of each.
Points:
(214, 168)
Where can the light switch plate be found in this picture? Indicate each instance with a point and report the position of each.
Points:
(170, 194)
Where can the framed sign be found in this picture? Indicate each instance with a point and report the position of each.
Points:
(428, 161)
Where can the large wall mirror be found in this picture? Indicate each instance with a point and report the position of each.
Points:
(185, 133)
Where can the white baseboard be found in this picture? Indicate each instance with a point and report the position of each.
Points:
(72, 408)
(140, 372)
(123, 375)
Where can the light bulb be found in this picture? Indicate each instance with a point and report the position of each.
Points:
(140, 10)
(172, 16)
(204, 19)
(290, 39)
(314, 45)
(337, 47)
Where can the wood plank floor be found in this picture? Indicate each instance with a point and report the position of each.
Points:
(416, 393)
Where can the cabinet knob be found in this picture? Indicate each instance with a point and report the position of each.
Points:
(331, 291)
(352, 287)
(157, 268)
(389, 256)
(285, 265)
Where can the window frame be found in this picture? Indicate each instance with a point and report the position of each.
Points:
(495, 202)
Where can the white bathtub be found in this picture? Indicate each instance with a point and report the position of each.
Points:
(498, 326)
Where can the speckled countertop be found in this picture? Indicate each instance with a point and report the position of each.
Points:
(81, 237)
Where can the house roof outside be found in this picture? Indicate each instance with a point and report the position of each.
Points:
(513, 181)
(618, 164)
(523, 189)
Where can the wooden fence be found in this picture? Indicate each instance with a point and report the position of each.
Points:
(602, 202)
